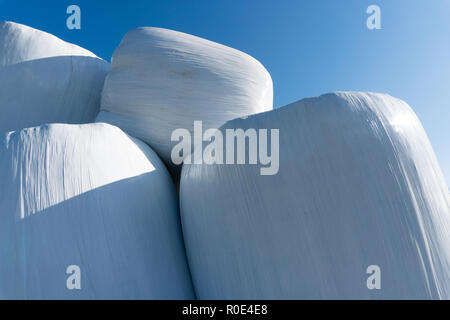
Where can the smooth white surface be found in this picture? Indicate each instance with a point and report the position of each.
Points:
(358, 185)
(162, 80)
(20, 43)
(88, 195)
(44, 79)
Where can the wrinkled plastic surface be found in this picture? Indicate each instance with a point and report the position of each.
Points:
(91, 196)
(20, 43)
(44, 79)
(358, 185)
(162, 80)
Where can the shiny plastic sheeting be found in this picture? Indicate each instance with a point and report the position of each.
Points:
(92, 197)
(20, 43)
(162, 80)
(44, 79)
(358, 186)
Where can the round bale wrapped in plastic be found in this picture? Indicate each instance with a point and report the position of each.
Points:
(45, 79)
(162, 80)
(345, 201)
(86, 212)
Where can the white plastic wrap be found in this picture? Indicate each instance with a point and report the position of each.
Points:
(358, 186)
(93, 197)
(44, 79)
(162, 80)
(20, 43)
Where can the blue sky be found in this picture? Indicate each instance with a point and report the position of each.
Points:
(310, 47)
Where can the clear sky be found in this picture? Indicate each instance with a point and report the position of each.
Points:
(310, 47)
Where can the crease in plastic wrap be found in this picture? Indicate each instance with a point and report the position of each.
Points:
(162, 80)
(358, 185)
(45, 79)
(90, 196)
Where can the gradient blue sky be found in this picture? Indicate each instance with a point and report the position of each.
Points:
(310, 47)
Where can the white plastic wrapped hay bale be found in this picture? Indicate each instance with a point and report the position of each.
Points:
(45, 79)
(358, 187)
(19, 43)
(87, 196)
(162, 80)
